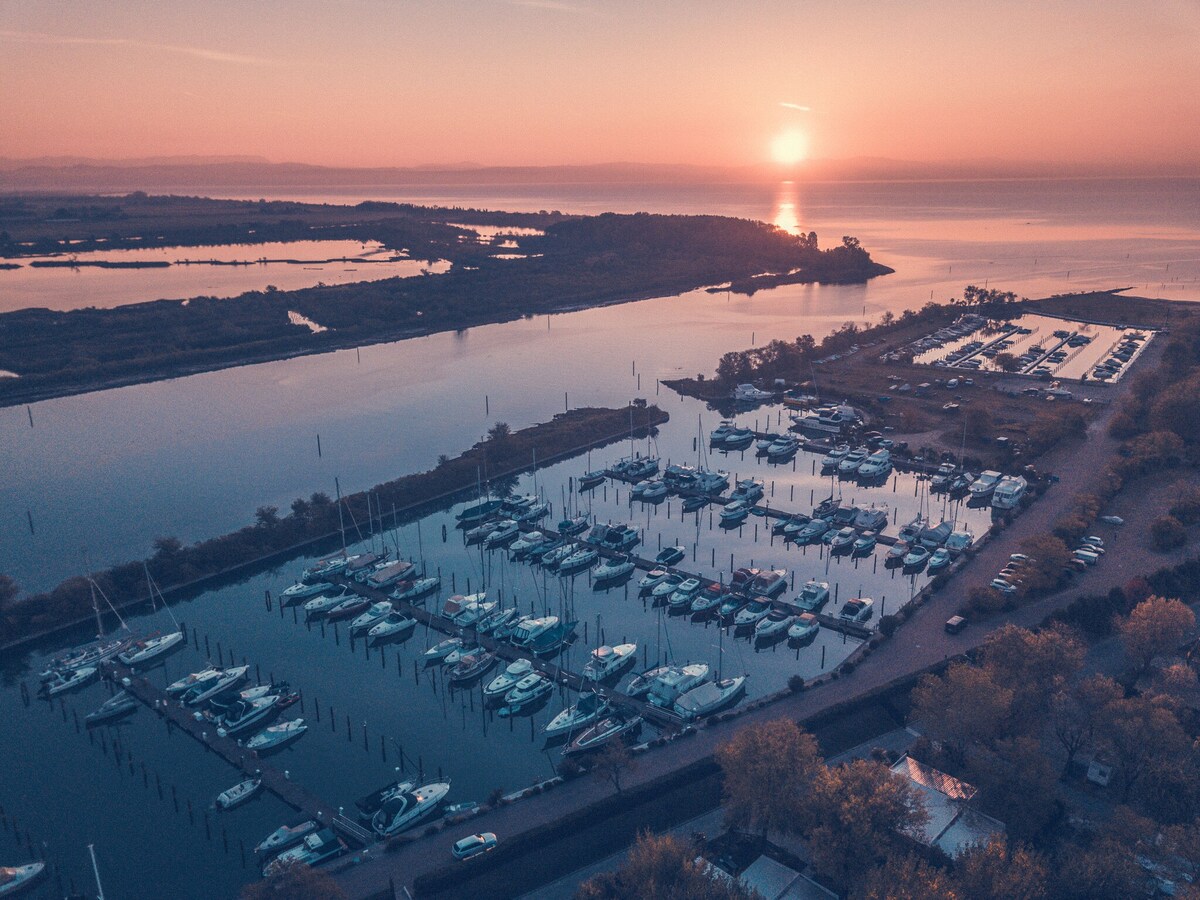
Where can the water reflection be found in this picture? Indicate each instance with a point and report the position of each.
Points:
(787, 214)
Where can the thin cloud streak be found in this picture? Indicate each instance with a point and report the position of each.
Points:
(555, 5)
(33, 37)
(795, 106)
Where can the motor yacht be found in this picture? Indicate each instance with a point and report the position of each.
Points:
(805, 627)
(608, 661)
(710, 697)
(813, 596)
(506, 680)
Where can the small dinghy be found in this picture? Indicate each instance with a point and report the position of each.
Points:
(239, 793)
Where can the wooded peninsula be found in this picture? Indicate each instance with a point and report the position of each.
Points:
(557, 263)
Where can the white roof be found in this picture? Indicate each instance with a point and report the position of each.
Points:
(774, 881)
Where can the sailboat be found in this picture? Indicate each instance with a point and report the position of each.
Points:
(94, 653)
(147, 651)
(711, 696)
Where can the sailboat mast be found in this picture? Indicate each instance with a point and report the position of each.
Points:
(96, 610)
(96, 872)
(337, 488)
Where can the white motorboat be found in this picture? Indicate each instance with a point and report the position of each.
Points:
(916, 557)
(226, 681)
(147, 651)
(114, 707)
(984, 486)
(496, 619)
(530, 629)
(769, 583)
(408, 808)
(607, 661)
(70, 679)
(187, 682)
(474, 609)
(858, 609)
(852, 461)
(1009, 491)
(239, 793)
(580, 559)
(286, 836)
(653, 578)
(276, 737)
(506, 680)
(245, 714)
(813, 596)
(14, 879)
(390, 574)
(812, 531)
(600, 734)
(439, 651)
(523, 544)
(670, 685)
(471, 666)
(580, 715)
(681, 598)
(303, 591)
(776, 622)
(748, 490)
(877, 465)
(640, 684)
(751, 614)
(667, 586)
(313, 849)
(734, 513)
(738, 438)
(843, 540)
(710, 697)
(412, 591)
(654, 491)
(326, 603)
(375, 614)
(722, 431)
(503, 532)
(748, 393)
(835, 456)
(612, 569)
(530, 689)
(783, 448)
(322, 568)
(865, 544)
(806, 626)
(939, 559)
(394, 624)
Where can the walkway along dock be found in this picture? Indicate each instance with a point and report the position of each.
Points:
(246, 761)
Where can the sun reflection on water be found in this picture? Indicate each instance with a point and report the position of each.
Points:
(787, 213)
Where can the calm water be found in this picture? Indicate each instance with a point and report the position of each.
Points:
(192, 273)
(103, 474)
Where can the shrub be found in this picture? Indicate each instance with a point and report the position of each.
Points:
(795, 683)
(849, 666)
(888, 625)
(1168, 533)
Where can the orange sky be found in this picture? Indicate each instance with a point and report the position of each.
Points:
(369, 82)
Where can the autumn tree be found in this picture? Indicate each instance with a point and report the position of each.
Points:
(999, 870)
(1076, 711)
(863, 814)
(1048, 556)
(1138, 732)
(1104, 870)
(1033, 663)
(660, 868)
(769, 770)
(295, 882)
(962, 707)
(907, 877)
(1017, 783)
(1155, 627)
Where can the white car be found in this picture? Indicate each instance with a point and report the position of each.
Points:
(474, 845)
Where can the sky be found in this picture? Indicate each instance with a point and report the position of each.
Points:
(543, 82)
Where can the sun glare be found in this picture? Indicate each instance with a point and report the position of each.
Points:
(789, 148)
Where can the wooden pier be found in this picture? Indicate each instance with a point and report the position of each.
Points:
(182, 717)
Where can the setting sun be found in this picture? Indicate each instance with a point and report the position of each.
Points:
(789, 148)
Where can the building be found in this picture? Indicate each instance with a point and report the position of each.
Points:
(953, 824)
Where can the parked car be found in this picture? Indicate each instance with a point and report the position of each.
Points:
(955, 624)
(474, 845)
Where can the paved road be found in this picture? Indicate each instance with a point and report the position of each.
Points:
(921, 642)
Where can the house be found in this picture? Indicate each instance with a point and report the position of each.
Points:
(953, 824)
(772, 880)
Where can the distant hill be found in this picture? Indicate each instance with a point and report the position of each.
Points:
(201, 173)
